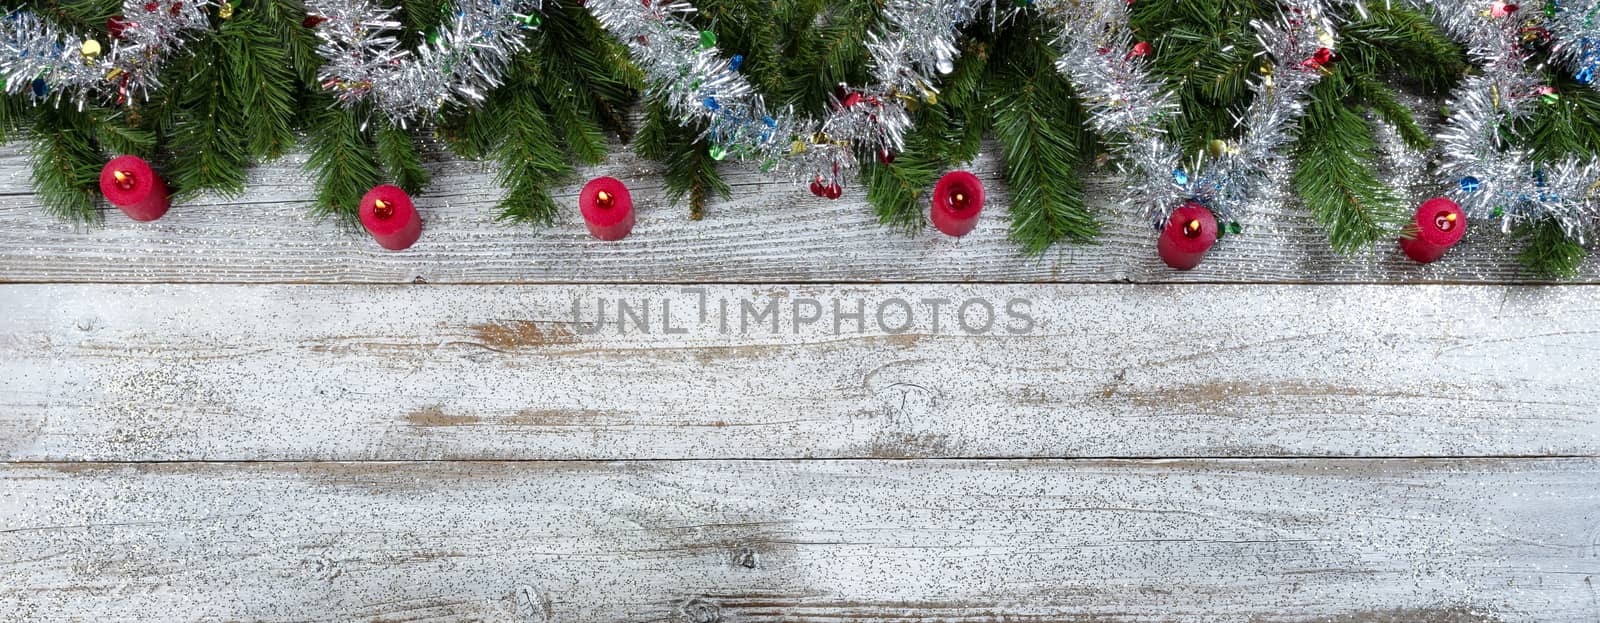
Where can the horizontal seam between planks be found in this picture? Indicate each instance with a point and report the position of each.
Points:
(402, 284)
(1122, 459)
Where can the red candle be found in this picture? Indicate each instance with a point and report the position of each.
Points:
(1439, 226)
(388, 214)
(957, 200)
(129, 183)
(607, 208)
(1190, 232)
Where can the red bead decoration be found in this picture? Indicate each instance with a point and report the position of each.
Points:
(957, 202)
(115, 25)
(886, 156)
(1141, 48)
(312, 21)
(388, 214)
(1189, 234)
(129, 183)
(607, 208)
(1439, 224)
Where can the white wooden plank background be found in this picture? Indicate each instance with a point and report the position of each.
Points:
(214, 441)
(771, 230)
(805, 542)
(474, 372)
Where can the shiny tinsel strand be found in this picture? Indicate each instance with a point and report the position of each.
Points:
(1131, 109)
(686, 70)
(1127, 106)
(1491, 177)
(50, 63)
(457, 66)
(1575, 24)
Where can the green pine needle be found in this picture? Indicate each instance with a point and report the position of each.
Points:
(66, 163)
(342, 162)
(529, 159)
(1043, 140)
(399, 157)
(260, 81)
(1548, 251)
(208, 131)
(691, 172)
(1333, 179)
(896, 190)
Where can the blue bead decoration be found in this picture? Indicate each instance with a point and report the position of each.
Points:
(711, 102)
(771, 123)
(1585, 75)
(40, 87)
(735, 62)
(1180, 178)
(1470, 184)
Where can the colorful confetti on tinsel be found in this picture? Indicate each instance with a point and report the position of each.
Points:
(1131, 109)
(1489, 175)
(457, 65)
(38, 58)
(686, 70)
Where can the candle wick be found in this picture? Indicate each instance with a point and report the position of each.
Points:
(382, 209)
(1191, 229)
(124, 179)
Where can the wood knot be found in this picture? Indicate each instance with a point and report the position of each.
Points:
(745, 557)
(699, 611)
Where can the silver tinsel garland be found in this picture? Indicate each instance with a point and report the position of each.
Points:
(38, 58)
(458, 65)
(1575, 24)
(1130, 108)
(689, 73)
(1485, 171)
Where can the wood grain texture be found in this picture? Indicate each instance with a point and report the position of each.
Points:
(770, 230)
(804, 542)
(286, 372)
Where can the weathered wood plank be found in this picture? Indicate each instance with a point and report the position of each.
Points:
(804, 542)
(770, 230)
(239, 372)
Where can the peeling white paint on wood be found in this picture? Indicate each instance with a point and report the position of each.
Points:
(770, 230)
(804, 542)
(283, 372)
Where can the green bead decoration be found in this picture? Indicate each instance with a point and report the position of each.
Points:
(708, 39)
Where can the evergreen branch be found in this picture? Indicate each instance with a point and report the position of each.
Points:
(15, 114)
(1367, 88)
(529, 158)
(114, 135)
(259, 80)
(208, 127)
(1334, 174)
(287, 20)
(66, 163)
(896, 190)
(471, 134)
(1547, 249)
(1042, 137)
(82, 14)
(584, 66)
(341, 161)
(1396, 39)
(399, 157)
(690, 170)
